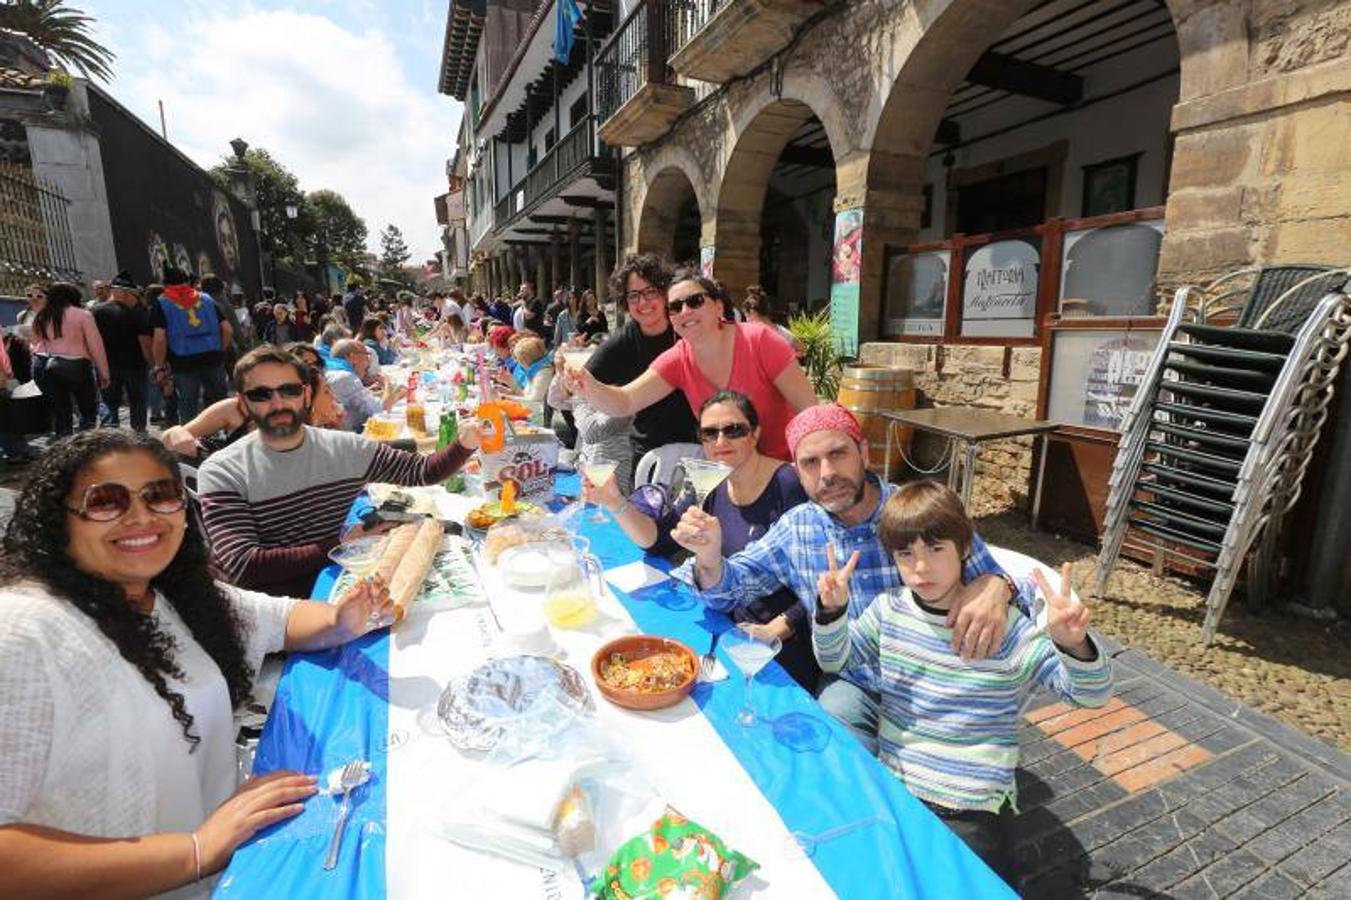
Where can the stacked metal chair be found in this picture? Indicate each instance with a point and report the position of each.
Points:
(1221, 430)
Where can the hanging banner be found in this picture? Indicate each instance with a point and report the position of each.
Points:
(845, 271)
(706, 260)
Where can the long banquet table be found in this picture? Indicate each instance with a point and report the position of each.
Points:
(798, 770)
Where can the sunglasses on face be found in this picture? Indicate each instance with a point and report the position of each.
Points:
(288, 391)
(648, 293)
(693, 301)
(109, 501)
(732, 432)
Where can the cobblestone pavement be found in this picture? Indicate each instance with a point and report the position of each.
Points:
(1175, 790)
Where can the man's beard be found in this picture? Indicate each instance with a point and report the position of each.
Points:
(847, 501)
(282, 424)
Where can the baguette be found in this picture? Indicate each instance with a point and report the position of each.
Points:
(415, 564)
(400, 539)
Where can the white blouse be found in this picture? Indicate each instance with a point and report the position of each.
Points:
(88, 746)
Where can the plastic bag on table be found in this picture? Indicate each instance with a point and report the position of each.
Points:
(558, 794)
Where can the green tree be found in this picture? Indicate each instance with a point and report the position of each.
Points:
(277, 188)
(337, 233)
(62, 31)
(393, 254)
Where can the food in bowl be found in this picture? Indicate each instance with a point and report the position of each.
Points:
(660, 671)
(486, 515)
(644, 671)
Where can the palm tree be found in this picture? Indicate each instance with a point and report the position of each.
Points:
(60, 30)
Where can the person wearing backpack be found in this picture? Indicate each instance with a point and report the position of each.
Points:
(189, 340)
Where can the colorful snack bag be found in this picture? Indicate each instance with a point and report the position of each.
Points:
(675, 858)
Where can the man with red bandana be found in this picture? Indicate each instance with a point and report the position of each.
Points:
(830, 453)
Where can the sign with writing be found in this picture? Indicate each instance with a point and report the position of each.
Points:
(845, 269)
(1001, 281)
(1115, 369)
(915, 290)
(529, 460)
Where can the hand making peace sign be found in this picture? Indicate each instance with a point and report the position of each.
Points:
(1066, 615)
(832, 585)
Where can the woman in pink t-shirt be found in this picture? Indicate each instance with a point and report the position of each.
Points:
(713, 354)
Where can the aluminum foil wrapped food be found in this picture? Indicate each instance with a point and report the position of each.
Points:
(534, 692)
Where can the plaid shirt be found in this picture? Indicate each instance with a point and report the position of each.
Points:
(793, 554)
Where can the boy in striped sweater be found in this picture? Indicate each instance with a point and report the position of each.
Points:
(949, 727)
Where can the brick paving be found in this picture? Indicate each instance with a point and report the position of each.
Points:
(1174, 790)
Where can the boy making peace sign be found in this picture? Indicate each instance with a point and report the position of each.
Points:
(949, 727)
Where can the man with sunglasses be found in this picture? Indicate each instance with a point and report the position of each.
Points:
(274, 501)
(628, 352)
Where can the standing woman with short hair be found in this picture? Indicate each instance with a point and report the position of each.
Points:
(69, 338)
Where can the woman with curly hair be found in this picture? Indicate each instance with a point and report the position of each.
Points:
(121, 660)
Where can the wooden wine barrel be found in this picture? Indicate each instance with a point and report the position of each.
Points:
(866, 391)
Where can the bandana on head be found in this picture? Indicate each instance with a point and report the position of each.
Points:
(824, 417)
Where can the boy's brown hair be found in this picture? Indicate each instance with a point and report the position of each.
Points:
(928, 511)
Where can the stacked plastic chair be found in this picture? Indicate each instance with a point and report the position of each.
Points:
(1222, 428)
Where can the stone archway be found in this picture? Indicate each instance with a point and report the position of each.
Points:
(763, 129)
(669, 201)
(944, 38)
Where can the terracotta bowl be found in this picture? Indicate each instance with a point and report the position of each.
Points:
(637, 646)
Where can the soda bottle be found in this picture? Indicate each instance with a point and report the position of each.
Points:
(449, 433)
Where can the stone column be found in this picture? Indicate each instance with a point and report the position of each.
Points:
(555, 265)
(574, 252)
(602, 253)
(541, 275)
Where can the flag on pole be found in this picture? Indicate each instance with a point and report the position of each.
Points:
(564, 22)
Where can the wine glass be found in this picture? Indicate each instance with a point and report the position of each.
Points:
(598, 472)
(750, 654)
(361, 557)
(705, 475)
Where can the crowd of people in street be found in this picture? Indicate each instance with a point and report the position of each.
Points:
(146, 576)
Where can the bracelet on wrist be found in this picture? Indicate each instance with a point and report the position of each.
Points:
(196, 856)
(621, 508)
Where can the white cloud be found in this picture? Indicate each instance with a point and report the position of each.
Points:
(334, 105)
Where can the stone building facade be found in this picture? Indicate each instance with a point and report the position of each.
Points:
(1255, 164)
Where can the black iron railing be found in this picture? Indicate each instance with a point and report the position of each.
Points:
(35, 237)
(684, 19)
(634, 55)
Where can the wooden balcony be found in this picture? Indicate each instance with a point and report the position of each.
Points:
(636, 101)
(716, 40)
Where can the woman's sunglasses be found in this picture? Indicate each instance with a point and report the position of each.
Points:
(693, 301)
(731, 432)
(109, 501)
(288, 391)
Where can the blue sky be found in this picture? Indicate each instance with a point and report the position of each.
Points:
(342, 92)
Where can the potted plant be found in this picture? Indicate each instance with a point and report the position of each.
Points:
(821, 355)
(57, 88)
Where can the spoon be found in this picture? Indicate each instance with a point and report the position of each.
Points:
(808, 843)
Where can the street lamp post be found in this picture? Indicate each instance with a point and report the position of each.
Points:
(292, 210)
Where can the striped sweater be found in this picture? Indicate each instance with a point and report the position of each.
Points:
(948, 728)
(271, 517)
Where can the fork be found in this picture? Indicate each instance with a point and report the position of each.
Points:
(353, 775)
(708, 662)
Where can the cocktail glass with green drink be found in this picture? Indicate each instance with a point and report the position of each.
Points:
(598, 472)
(704, 476)
(750, 653)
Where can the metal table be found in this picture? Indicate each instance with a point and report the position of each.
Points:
(971, 427)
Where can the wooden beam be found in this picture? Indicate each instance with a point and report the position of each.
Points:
(586, 202)
(815, 157)
(1007, 73)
